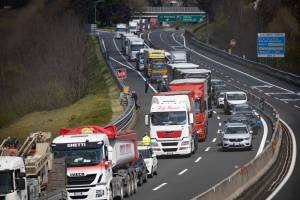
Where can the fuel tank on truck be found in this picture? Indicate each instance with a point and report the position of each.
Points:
(124, 148)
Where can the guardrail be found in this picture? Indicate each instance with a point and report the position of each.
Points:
(124, 119)
(266, 69)
(55, 195)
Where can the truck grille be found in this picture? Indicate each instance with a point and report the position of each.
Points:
(235, 140)
(83, 180)
(170, 149)
(169, 144)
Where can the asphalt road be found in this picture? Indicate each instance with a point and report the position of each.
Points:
(180, 177)
(283, 96)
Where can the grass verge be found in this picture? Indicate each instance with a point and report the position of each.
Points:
(98, 107)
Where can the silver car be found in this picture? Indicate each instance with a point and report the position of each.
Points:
(236, 136)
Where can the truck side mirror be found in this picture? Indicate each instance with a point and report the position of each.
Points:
(191, 116)
(20, 183)
(110, 153)
(147, 120)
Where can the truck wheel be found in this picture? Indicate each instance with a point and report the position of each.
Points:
(140, 181)
(121, 197)
(132, 185)
(135, 184)
(128, 187)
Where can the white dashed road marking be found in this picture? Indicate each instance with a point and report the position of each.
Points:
(198, 159)
(207, 149)
(220, 124)
(218, 118)
(182, 172)
(160, 186)
(214, 140)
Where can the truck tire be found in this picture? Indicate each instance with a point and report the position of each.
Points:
(135, 187)
(132, 185)
(121, 197)
(128, 191)
(145, 178)
(140, 181)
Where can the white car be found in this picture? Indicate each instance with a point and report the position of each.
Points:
(233, 98)
(220, 100)
(236, 136)
(149, 158)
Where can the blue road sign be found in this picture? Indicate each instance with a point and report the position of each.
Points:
(271, 45)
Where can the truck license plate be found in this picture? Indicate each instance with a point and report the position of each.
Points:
(78, 193)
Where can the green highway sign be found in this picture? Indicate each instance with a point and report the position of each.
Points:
(182, 18)
(190, 18)
(167, 18)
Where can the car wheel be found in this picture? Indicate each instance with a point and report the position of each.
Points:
(140, 181)
(145, 178)
(155, 172)
(224, 149)
(151, 174)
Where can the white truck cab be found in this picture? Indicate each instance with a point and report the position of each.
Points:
(120, 29)
(135, 44)
(171, 119)
(13, 184)
(133, 27)
(124, 40)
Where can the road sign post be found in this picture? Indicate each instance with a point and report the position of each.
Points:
(182, 18)
(270, 45)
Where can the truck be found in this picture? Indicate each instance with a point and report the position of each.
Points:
(178, 56)
(120, 29)
(100, 161)
(124, 40)
(198, 73)
(24, 169)
(199, 90)
(155, 64)
(135, 44)
(140, 59)
(173, 67)
(171, 123)
(133, 27)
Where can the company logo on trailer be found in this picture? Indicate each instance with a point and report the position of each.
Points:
(76, 145)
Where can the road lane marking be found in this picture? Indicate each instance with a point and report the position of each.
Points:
(283, 93)
(296, 106)
(182, 172)
(198, 159)
(214, 140)
(244, 73)
(292, 166)
(207, 149)
(103, 45)
(214, 112)
(160, 186)
(218, 118)
(220, 124)
(149, 36)
(289, 99)
(264, 137)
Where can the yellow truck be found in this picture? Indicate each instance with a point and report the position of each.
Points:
(155, 64)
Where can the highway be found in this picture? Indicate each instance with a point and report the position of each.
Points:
(181, 177)
(283, 96)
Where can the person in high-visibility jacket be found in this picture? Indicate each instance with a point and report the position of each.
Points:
(146, 140)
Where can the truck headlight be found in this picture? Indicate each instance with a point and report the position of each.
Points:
(99, 193)
(154, 144)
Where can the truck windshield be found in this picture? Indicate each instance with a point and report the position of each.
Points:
(235, 97)
(137, 47)
(80, 157)
(168, 118)
(6, 182)
(121, 29)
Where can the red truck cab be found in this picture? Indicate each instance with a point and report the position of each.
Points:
(200, 98)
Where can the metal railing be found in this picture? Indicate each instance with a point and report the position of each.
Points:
(124, 119)
(266, 69)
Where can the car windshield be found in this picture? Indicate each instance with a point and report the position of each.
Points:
(236, 130)
(80, 157)
(238, 120)
(121, 29)
(6, 182)
(136, 47)
(237, 96)
(146, 153)
(168, 118)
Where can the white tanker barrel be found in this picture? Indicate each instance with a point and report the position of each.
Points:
(124, 148)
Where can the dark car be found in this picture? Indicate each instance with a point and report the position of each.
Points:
(141, 170)
(253, 117)
(217, 86)
(241, 119)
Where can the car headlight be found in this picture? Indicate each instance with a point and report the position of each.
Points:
(185, 143)
(247, 138)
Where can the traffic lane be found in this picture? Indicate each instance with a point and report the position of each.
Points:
(265, 77)
(195, 177)
(290, 114)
